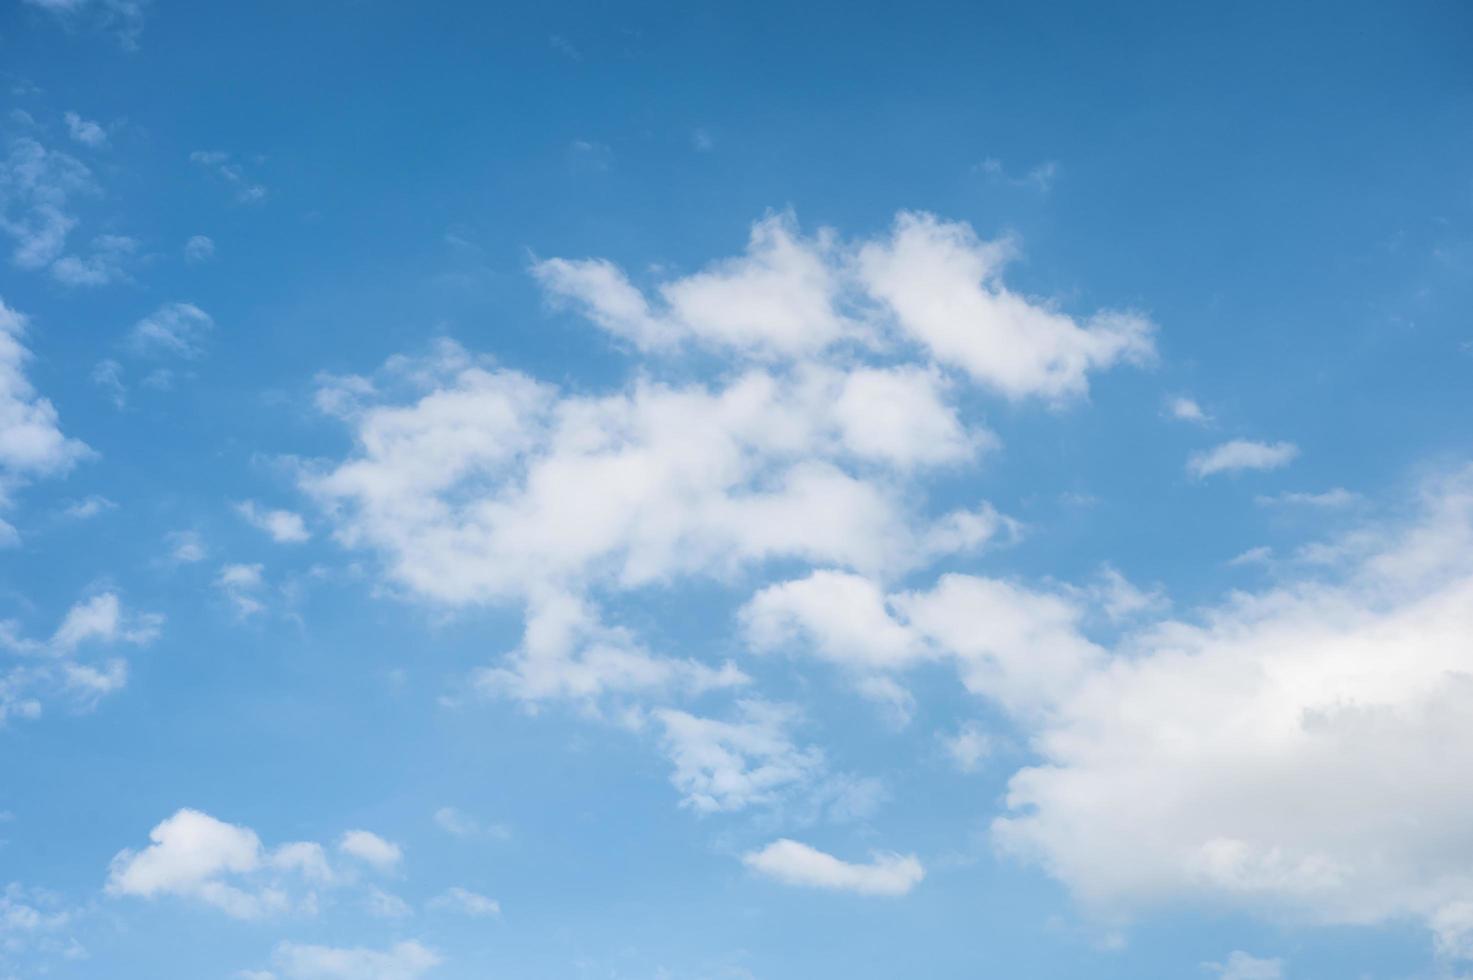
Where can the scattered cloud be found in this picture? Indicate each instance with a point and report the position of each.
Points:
(1039, 177)
(1334, 498)
(284, 526)
(466, 902)
(122, 18)
(199, 248)
(792, 863)
(242, 584)
(1187, 410)
(196, 857)
(1242, 966)
(174, 329)
(407, 960)
(1241, 454)
(371, 849)
(85, 131)
(247, 189)
(729, 765)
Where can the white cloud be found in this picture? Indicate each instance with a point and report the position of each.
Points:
(1241, 454)
(489, 486)
(1017, 645)
(371, 849)
(466, 902)
(199, 248)
(793, 863)
(1187, 410)
(37, 187)
(791, 297)
(1269, 753)
(85, 131)
(407, 960)
(1333, 498)
(729, 765)
(1242, 966)
(55, 667)
(89, 507)
(185, 547)
(32, 444)
(943, 286)
(177, 329)
(284, 526)
(124, 18)
(241, 583)
(194, 856)
(969, 747)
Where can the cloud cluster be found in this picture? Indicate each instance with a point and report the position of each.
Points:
(194, 856)
(60, 666)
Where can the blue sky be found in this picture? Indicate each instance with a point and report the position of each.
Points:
(700, 491)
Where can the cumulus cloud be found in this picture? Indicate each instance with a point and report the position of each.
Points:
(1187, 410)
(406, 960)
(371, 849)
(931, 282)
(1268, 754)
(194, 856)
(1241, 454)
(284, 526)
(793, 863)
(486, 485)
(943, 286)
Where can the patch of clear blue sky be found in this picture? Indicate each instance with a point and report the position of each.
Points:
(1286, 189)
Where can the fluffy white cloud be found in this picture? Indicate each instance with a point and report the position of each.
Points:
(284, 526)
(932, 282)
(407, 960)
(1187, 410)
(1017, 645)
(778, 299)
(969, 747)
(371, 849)
(793, 863)
(729, 765)
(943, 286)
(1271, 753)
(1241, 454)
(192, 855)
(490, 486)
